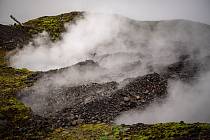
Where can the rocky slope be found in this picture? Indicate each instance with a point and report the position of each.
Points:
(85, 110)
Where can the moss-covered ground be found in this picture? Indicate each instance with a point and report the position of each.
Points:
(12, 111)
(54, 25)
(162, 131)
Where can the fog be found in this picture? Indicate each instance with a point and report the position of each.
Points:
(23, 10)
(121, 48)
(189, 103)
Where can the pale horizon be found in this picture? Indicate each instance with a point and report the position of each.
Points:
(146, 10)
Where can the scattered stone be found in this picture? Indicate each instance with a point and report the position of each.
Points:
(80, 121)
(106, 108)
(137, 97)
(74, 122)
(126, 99)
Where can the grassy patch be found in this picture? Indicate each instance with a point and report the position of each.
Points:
(54, 25)
(11, 81)
(88, 132)
(2, 57)
(114, 132)
(180, 130)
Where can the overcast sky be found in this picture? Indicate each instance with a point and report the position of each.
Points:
(23, 10)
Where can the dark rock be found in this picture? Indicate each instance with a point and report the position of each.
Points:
(12, 37)
(2, 116)
(138, 93)
(3, 124)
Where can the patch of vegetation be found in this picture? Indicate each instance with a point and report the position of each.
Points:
(88, 131)
(54, 25)
(2, 57)
(11, 81)
(114, 132)
(175, 130)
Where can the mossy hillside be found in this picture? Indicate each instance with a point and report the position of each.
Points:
(114, 132)
(88, 132)
(54, 25)
(11, 81)
(175, 130)
(2, 57)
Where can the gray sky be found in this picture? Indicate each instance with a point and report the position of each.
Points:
(23, 10)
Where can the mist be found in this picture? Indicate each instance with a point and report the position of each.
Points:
(120, 48)
(188, 103)
(115, 42)
(76, 45)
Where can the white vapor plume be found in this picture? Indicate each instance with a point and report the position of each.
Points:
(122, 48)
(74, 47)
(189, 103)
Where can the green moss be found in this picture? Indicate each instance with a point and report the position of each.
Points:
(14, 110)
(2, 58)
(54, 25)
(115, 132)
(87, 131)
(11, 81)
(174, 130)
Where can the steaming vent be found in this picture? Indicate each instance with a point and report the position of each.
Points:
(109, 68)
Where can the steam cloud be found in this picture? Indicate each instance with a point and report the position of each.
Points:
(123, 48)
(186, 102)
(75, 46)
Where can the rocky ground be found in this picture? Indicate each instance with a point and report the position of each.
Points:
(12, 37)
(84, 111)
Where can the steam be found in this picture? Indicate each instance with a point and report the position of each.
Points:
(75, 46)
(186, 102)
(121, 48)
